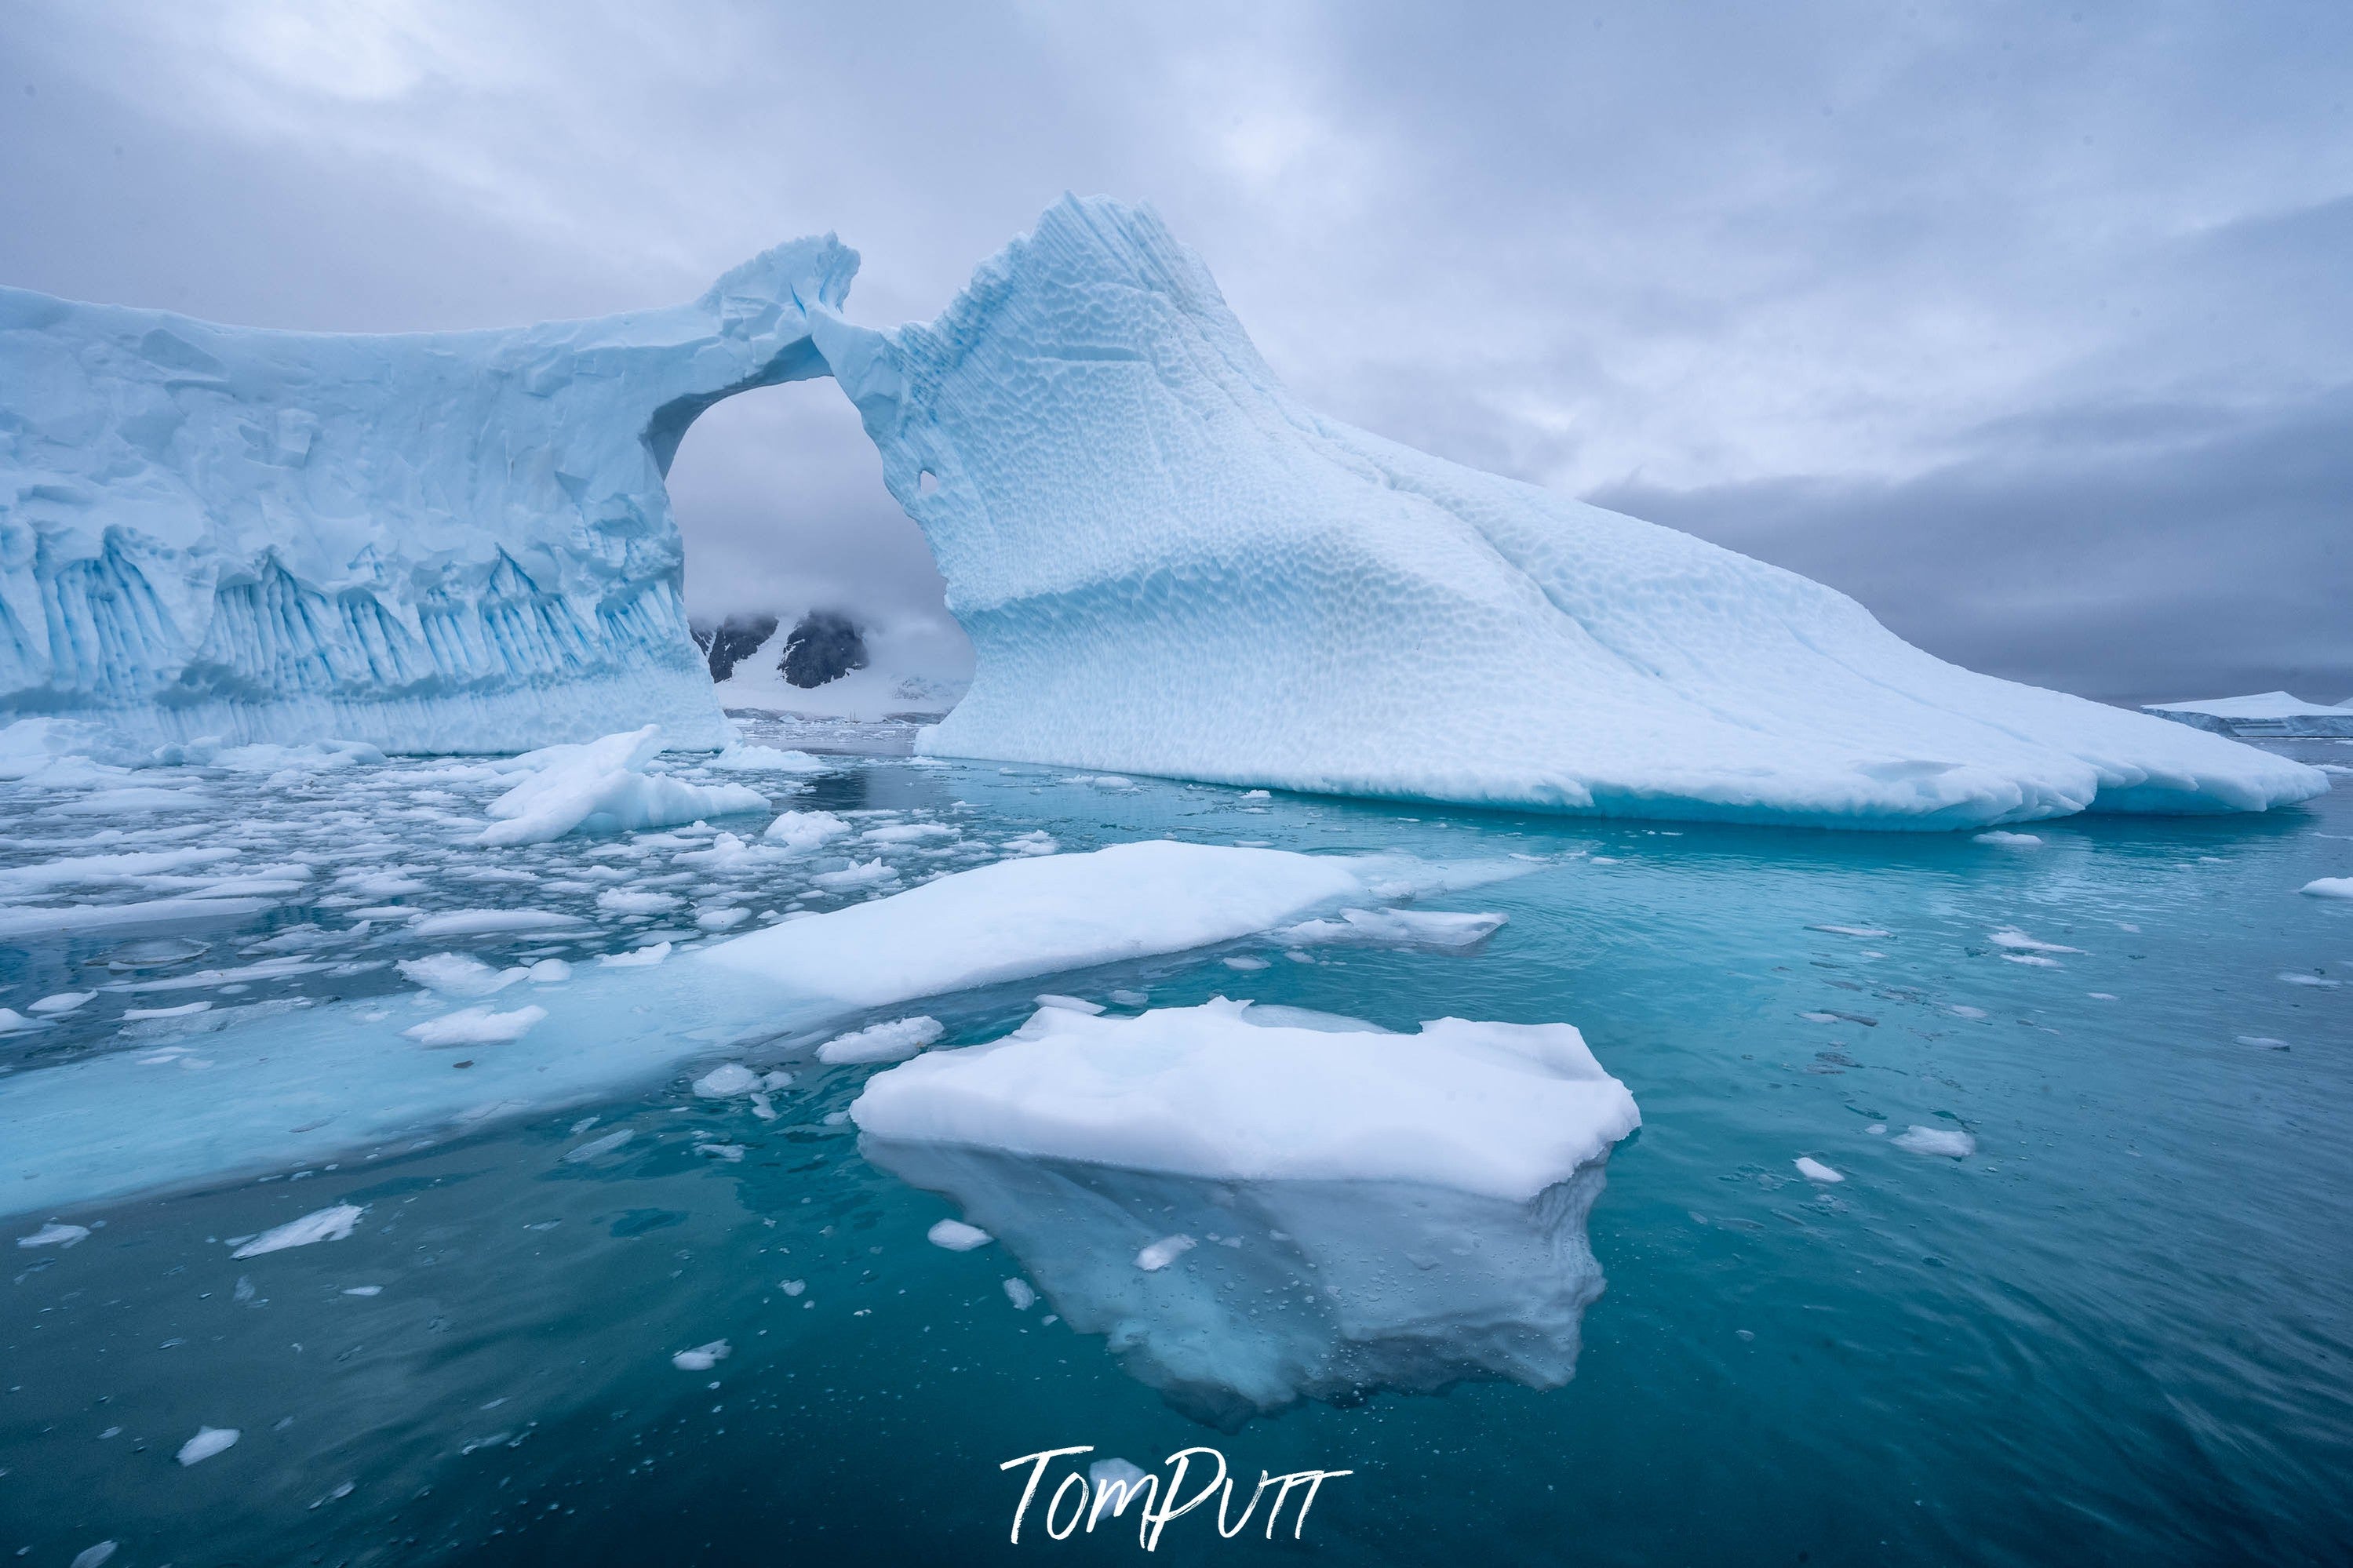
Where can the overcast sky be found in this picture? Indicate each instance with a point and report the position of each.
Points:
(2030, 326)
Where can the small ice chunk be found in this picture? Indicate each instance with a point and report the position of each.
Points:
(2260, 1043)
(643, 957)
(731, 1153)
(63, 1001)
(1018, 1292)
(957, 1237)
(2017, 940)
(1246, 963)
(2292, 978)
(12, 1021)
(459, 974)
(364, 1290)
(321, 1224)
(54, 1234)
(94, 1556)
(1962, 1010)
(1163, 1252)
(185, 1009)
(484, 922)
(892, 1042)
(550, 971)
(856, 874)
(209, 1441)
(1113, 1472)
(805, 829)
(629, 901)
(1950, 1142)
(476, 1026)
(791, 1286)
(1815, 1170)
(1068, 1003)
(720, 1082)
(1130, 998)
(595, 1146)
(701, 1358)
(2010, 840)
(1440, 930)
(2329, 887)
(1256, 794)
(1853, 931)
(722, 919)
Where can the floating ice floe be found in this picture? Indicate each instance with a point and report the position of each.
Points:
(602, 787)
(1396, 927)
(701, 1358)
(1950, 1142)
(894, 1041)
(2010, 840)
(55, 1235)
(476, 1026)
(344, 1076)
(957, 1237)
(1814, 1170)
(2329, 887)
(1501, 1110)
(331, 1224)
(209, 1441)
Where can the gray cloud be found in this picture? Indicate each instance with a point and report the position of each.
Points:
(1864, 291)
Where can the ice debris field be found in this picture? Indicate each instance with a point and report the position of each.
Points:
(410, 1117)
(1166, 565)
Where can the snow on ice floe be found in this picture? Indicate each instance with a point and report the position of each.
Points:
(1501, 1110)
(476, 1026)
(283, 1088)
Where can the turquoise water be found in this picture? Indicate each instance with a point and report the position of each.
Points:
(2121, 1330)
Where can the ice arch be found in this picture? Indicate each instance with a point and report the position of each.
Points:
(1165, 563)
(434, 542)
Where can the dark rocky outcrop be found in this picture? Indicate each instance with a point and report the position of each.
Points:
(824, 647)
(732, 640)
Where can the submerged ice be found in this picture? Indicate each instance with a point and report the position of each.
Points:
(1166, 565)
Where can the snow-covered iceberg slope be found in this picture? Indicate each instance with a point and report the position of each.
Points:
(432, 542)
(1168, 565)
(461, 541)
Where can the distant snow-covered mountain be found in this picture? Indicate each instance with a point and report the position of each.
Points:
(825, 665)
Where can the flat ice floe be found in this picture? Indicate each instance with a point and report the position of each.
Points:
(284, 1087)
(1499, 1110)
(1254, 1210)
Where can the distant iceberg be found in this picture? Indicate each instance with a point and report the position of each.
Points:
(461, 541)
(2266, 715)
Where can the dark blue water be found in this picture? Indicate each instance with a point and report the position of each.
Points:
(2120, 1331)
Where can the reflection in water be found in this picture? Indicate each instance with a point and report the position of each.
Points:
(1326, 1291)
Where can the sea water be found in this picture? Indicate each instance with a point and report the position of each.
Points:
(2119, 1327)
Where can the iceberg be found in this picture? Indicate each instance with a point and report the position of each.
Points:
(2270, 714)
(1165, 563)
(430, 542)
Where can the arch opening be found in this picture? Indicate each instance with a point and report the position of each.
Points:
(811, 591)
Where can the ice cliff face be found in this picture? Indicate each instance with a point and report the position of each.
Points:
(1166, 565)
(437, 542)
(1164, 562)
